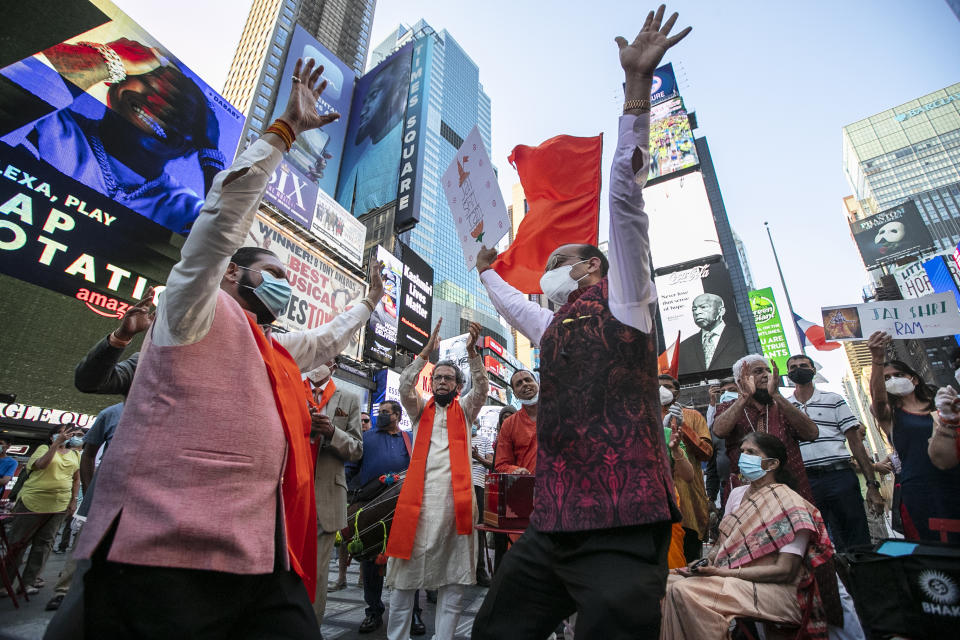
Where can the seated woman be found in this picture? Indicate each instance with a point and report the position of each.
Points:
(761, 567)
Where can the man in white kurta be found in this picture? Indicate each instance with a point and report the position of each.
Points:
(441, 559)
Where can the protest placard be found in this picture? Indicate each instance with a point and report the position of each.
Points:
(925, 317)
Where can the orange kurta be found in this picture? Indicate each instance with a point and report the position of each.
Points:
(517, 444)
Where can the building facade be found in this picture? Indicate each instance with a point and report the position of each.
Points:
(342, 26)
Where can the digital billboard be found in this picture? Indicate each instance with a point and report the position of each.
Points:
(766, 317)
(411, 169)
(321, 289)
(371, 154)
(664, 85)
(416, 301)
(338, 229)
(698, 303)
(891, 235)
(455, 349)
(381, 341)
(672, 147)
(681, 221)
(110, 107)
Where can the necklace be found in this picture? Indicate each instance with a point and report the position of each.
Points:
(762, 425)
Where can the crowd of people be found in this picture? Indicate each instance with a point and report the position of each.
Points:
(223, 484)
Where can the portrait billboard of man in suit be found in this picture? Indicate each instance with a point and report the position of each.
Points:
(718, 344)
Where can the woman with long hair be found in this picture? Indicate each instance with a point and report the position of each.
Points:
(903, 405)
(762, 565)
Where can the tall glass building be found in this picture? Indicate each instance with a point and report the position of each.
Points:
(456, 102)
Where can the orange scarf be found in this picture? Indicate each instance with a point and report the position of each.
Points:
(324, 399)
(299, 502)
(405, 518)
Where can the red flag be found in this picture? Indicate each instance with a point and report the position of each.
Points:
(561, 180)
(669, 360)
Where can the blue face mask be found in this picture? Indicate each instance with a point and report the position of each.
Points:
(751, 466)
(75, 442)
(273, 292)
(729, 396)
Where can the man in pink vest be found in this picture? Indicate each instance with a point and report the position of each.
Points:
(204, 521)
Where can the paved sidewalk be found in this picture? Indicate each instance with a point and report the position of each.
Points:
(344, 609)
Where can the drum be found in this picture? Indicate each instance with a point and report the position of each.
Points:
(368, 522)
(508, 500)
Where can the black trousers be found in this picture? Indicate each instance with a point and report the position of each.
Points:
(613, 578)
(837, 495)
(124, 601)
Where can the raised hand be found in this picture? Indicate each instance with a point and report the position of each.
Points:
(376, 283)
(433, 343)
(773, 382)
(485, 258)
(474, 330)
(877, 343)
(642, 56)
(301, 112)
(137, 319)
(748, 385)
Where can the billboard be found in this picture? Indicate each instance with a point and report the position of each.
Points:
(699, 304)
(455, 349)
(681, 221)
(321, 289)
(338, 229)
(672, 147)
(940, 271)
(664, 85)
(891, 235)
(411, 171)
(381, 339)
(416, 301)
(316, 154)
(110, 107)
(371, 153)
(766, 316)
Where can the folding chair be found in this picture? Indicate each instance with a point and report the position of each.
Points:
(9, 551)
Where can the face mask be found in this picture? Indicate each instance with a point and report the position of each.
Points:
(899, 386)
(75, 442)
(802, 376)
(666, 396)
(274, 293)
(751, 467)
(443, 399)
(557, 284)
(383, 420)
(473, 431)
(729, 396)
(763, 396)
(956, 374)
(534, 400)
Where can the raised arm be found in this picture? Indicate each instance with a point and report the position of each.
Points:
(632, 293)
(100, 370)
(186, 307)
(409, 396)
(521, 313)
(877, 343)
(799, 422)
(473, 401)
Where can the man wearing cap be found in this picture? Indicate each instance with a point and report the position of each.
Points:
(336, 438)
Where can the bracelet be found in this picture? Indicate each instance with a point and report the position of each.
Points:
(123, 343)
(284, 131)
(211, 158)
(643, 104)
(369, 305)
(117, 71)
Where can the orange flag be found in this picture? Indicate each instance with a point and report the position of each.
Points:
(669, 361)
(561, 181)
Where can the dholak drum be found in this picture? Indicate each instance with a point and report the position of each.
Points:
(368, 522)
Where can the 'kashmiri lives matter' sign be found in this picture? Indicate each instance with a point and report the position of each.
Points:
(926, 317)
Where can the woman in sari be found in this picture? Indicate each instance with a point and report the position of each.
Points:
(761, 567)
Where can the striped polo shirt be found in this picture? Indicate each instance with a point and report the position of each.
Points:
(830, 412)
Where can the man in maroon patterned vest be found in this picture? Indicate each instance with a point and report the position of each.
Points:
(603, 504)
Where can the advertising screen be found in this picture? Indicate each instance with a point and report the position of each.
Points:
(409, 187)
(110, 107)
(766, 316)
(698, 302)
(891, 235)
(371, 154)
(381, 339)
(416, 301)
(664, 84)
(455, 349)
(338, 229)
(681, 221)
(672, 147)
(321, 290)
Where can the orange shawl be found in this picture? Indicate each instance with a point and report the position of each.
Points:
(405, 518)
(299, 502)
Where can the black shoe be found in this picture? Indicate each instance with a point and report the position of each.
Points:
(483, 579)
(371, 623)
(417, 628)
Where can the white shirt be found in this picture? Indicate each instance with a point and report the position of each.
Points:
(709, 340)
(833, 417)
(186, 307)
(632, 293)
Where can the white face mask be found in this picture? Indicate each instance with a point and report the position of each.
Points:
(956, 374)
(557, 284)
(666, 396)
(534, 400)
(899, 386)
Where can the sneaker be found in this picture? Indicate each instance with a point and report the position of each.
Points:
(371, 623)
(55, 602)
(32, 591)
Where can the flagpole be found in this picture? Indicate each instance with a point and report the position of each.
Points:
(786, 292)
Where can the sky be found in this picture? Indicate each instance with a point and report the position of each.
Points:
(772, 84)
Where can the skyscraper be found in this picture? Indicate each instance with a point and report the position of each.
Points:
(455, 103)
(342, 26)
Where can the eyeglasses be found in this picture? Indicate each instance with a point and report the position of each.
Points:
(554, 261)
(364, 419)
(444, 378)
